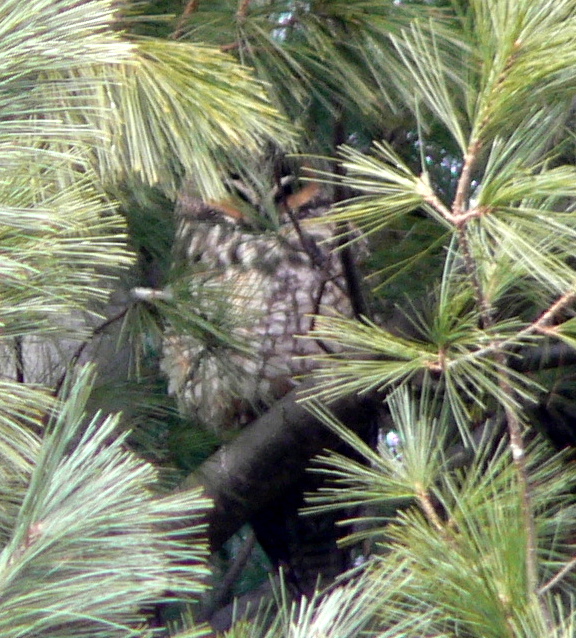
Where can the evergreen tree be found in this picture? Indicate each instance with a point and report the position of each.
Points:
(477, 508)
(445, 130)
(86, 543)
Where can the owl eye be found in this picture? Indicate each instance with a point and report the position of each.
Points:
(244, 191)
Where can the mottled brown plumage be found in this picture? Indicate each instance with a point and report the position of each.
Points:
(267, 287)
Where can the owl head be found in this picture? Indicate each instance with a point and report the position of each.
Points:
(256, 201)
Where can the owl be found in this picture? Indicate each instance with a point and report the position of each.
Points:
(257, 292)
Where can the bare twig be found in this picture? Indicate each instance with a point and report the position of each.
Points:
(429, 510)
(242, 9)
(78, 353)
(232, 46)
(189, 9)
(349, 266)
(559, 576)
(460, 205)
(539, 325)
(225, 587)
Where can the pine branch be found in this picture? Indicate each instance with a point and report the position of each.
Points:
(530, 356)
(242, 9)
(557, 578)
(279, 444)
(189, 9)
(516, 443)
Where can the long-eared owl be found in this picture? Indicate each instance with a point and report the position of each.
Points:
(257, 290)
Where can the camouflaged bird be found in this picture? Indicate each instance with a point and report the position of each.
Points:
(261, 290)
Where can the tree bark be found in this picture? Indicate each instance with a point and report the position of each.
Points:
(268, 459)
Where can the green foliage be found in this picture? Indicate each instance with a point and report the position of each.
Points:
(80, 110)
(86, 551)
(329, 53)
(447, 533)
(166, 87)
(88, 545)
(453, 560)
(512, 236)
(473, 547)
(493, 530)
(470, 535)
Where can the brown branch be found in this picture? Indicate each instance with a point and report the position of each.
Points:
(559, 576)
(484, 305)
(429, 509)
(424, 189)
(456, 219)
(558, 306)
(232, 46)
(279, 444)
(189, 9)
(460, 220)
(460, 205)
(539, 325)
(242, 9)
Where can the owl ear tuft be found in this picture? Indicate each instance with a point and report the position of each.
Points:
(227, 208)
(303, 197)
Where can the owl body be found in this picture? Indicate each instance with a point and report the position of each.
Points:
(266, 288)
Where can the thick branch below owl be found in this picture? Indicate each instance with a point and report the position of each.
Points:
(267, 459)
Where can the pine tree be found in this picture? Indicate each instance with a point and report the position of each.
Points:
(470, 518)
(84, 109)
(445, 131)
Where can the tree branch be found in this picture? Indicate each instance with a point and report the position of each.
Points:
(242, 9)
(189, 9)
(238, 477)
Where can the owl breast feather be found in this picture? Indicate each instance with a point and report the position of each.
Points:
(271, 289)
